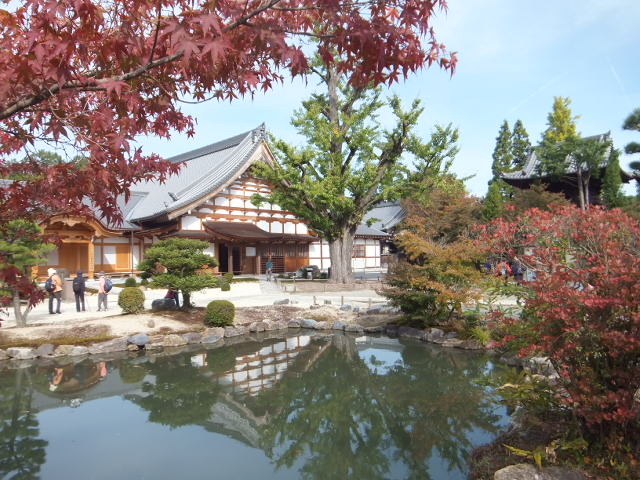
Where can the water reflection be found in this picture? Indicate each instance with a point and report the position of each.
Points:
(316, 407)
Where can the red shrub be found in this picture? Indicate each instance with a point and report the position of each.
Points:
(584, 307)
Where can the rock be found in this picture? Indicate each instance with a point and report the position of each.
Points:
(339, 325)
(173, 340)
(354, 328)
(636, 396)
(3, 355)
(391, 330)
(356, 309)
(141, 339)
(154, 346)
(45, 350)
(346, 308)
(374, 310)
(269, 326)
(151, 324)
(314, 307)
(234, 331)
(434, 335)
(209, 339)
(323, 325)
(115, 345)
(327, 302)
(450, 335)
(214, 331)
(471, 345)
(378, 329)
(408, 332)
(162, 304)
(63, 350)
(512, 361)
(280, 325)
(522, 471)
(308, 323)
(541, 365)
(77, 351)
(293, 324)
(282, 302)
(132, 347)
(257, 327)
(525, 471)
(21, 353)
(192, 337)
(452, 343)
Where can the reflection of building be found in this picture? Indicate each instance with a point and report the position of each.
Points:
(210, 199)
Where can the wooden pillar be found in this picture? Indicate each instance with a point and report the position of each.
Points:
(229, 258)
(91, 258)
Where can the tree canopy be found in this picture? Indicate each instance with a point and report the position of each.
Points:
(349, 163)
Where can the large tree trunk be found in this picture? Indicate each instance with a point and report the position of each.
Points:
(21, 318)
(580, 189)
(341, 252)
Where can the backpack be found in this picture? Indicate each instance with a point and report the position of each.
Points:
(107, 285)
(50, 285)
(77, 284)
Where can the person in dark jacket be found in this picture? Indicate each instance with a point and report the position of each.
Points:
(78, 289)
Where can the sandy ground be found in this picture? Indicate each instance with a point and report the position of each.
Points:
(254, 301)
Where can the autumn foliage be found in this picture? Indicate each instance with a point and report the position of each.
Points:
(438, 267)
(584, 306)
(89, 78)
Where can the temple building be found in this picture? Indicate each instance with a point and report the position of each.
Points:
(567, 184)
(209, 200)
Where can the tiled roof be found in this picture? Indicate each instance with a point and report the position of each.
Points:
(386, 215)
(249, 231)
(364, 231)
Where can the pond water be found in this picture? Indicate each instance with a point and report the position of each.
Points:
(302, 406)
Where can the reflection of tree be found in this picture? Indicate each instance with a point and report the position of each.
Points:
(354, 423)
(180, 395)
(21, 452)
(329, 418)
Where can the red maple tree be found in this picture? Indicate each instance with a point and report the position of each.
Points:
(92, 76)
(583, 310)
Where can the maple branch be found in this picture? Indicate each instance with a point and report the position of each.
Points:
(155, 37)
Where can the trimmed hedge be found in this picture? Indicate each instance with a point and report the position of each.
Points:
(130, 282)
(224, 286)
(228, 276)
(220, 313)
(131, 300)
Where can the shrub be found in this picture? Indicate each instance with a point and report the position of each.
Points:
(583, 310)
(131, 300)
(220, 313)
(130, 282)
(228, 276)
(144, 282)
(224, 286)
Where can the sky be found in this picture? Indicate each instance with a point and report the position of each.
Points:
(514, 56)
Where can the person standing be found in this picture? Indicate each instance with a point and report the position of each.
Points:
(269, 268)
(78, 289)
(56, 293)
(102, 292)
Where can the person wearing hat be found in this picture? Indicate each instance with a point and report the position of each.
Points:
(57, 290)
(102, 293)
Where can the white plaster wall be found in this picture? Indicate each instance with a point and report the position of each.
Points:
(276, 227)
(357, 263)
(372, 251)
(263, 225)
(289, 227)
(222, 201)
(189, 222)
(301, 229)
(237, 202)
(117, 240)
(109, 255)
(97, 252)
(211, 250)
(314, 250)
(250, 252)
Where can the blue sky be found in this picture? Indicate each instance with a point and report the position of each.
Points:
(514, 57)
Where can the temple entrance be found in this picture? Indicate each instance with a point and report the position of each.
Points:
(74, 257)
(230, 259)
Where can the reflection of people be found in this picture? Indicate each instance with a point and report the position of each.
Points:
(57, 290)
(57, 378)
(102, 294)
(269, 268)
(171, 293)
(78, 289)
(76, 378)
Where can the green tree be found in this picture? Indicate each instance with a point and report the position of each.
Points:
(632, 122)
(537, 196)
(612, 195)
(349, 164)
(520, 145)
(21, 248)
(496, 199)
(176, 263)
(561, 123)
(502, 153)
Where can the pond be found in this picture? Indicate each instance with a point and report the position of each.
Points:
(307, 406)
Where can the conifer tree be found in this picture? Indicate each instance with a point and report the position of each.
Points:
(561, 123)
(520, 145)
(632, 122)
(502, 156)
(612, 195)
